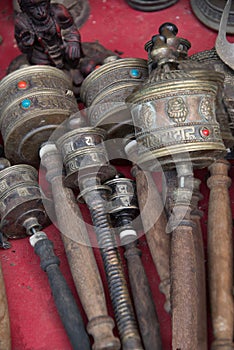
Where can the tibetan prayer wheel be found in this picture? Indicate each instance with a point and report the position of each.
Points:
(174, 114)
(210, 59)
(20, 199)
(83, 152)
(34, 100)
(105, 90)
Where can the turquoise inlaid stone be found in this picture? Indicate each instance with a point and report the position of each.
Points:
(135, 73)
(26, 104)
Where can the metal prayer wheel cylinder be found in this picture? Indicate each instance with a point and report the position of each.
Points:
(123, 195)
(33, 101)
(209, 12)
(174, 116)
(104, 92)
(20, 199)
(210, 58)
(83, 152)
(150, 5)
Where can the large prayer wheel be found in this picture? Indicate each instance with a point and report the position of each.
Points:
(174, 115)
(34, 100)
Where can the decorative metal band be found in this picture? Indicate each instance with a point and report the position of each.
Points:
(31, 79)
(201, 155)
(150, 5)
(87, 159)
(122, 71)
(210, 12)
(80, 139)
(123, 195)
(42, 104)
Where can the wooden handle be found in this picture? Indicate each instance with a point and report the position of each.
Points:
(80, 257)
(184, 289)
(5, 334)
(143, 300)
(154, 222)
(220, 255)
(196, 215)
(183, 271)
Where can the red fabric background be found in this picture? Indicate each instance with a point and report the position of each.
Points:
(35, 324)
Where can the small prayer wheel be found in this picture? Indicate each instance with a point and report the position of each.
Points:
(83, 152)
(34, 100)
(20, 199)
(104, 92)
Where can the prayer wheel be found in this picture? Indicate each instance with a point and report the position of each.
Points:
(104, 92)
(34, 100)
(20, 199)
(175, 114)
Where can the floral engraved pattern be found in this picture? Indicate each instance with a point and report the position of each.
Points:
(206, 108)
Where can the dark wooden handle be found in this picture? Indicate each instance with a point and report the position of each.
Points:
(143, 300)
(220, 256)
(81, 258)
(5, 333)
(154, 222)
(63, 297)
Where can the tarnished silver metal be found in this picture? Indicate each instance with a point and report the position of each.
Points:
(84, 153)
(209, 12)
(104, 92)
(224, 48)
(225, 110)
(123, 195)
(20, 199)
(150, 5)
(174, 113)
(33, 101)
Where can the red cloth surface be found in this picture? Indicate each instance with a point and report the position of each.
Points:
(35, 324)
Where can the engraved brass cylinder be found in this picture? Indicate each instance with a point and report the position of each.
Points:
(105, 90)
(34, 100)
(83, 152)
(174, 116)
(20, 199)
(210, 60)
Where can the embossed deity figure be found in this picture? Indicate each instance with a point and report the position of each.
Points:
(47, 34)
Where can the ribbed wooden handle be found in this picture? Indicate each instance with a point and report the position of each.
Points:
(143, 300)
(154, 223)
(5, 334)
(220, 256)
(81, 259)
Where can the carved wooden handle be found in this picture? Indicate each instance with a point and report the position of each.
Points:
(154, 223)
(220, 255)
(5, 334)
(143, 300)
(80, 257)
